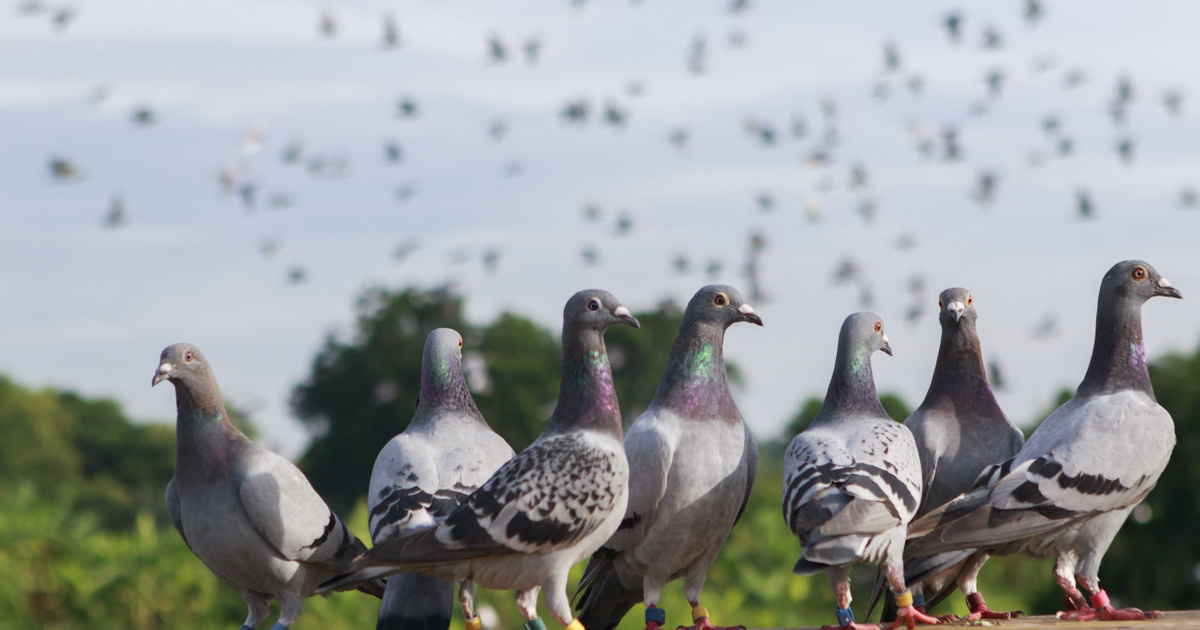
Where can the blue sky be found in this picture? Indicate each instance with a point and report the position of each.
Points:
(91, 308)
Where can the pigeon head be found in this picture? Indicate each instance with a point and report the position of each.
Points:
(182, 364)
(863, 331)
(720, 304)
(1136, 280)
(442, 382)
(443, 354)
(596, 309)
(954, 305)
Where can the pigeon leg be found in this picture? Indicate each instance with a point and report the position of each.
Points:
(700, 620)
(975, 603)
(1102, 610)
(290, 608)
(839, 579)
(466, 601)
(906, 614)
(1064, 569)
(527, 603)
(259, 608)
(655, 617)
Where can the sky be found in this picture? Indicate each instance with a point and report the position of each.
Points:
(232, 86)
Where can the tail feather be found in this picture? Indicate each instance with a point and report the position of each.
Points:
(416, 602)
(606, 601)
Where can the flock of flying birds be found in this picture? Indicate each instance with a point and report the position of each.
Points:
(820, 135)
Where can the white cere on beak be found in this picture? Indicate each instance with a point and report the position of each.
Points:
(164, 368)
(746, 309)
(1164, 283)
(621, 311)
(957, 308)
(885, 339)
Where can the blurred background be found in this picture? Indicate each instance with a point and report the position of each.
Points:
(304, 190)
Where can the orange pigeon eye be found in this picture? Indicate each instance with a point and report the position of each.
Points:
(878, 326)
(1139, 273)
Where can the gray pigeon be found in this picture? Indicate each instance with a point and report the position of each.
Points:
(1095, 458)
(691, 463)
(249, 515)
(959, 430)
(549, 507)
(421, 475)
(852, 478)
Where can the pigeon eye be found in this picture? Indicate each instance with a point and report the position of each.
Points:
(970, 300)
(460, 343)
(1139, 273)
(188, 356)
(720, 299)
(878, 326)
(941, 304)
(593, 304)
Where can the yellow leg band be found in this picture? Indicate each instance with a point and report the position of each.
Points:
(904, 599)
(698, 612)
(473, 624)
(574, 625)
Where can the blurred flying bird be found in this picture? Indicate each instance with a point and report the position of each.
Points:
(402, 251)
(591, 211)
(615, 115)
(713, 269)
(327, 26)
(1187, 197)
(799, 127)
(297, 275)
(1083, 205)
(681, 264)
(269, 247)
(392, 152)
(248, 192)
(491, 259)
(115, 217)
(498, 129)
(891, 57)
(953, 24)
(293, 153)
(737, 38)
(1173, 101)
(575, 111)
(406, 192)
(635, 88)
(63, 170)
(391, 32)
(1034, 12)
(846, 271)
(62, 18)
(992, 39)
(995, 82)
(280, 201)
(951, 151)
(1074, 78)
(985, 187)
(497, 52)
(1046, 328)
(252, 140)
(1050, 124)
(766, 201)
(407, 107)
(624, 224)
(533, 50)
(678, 138)
(1125, 150)
(868, 211)
(996, 376)
(697, 62)
(143, 116)
(591, 257)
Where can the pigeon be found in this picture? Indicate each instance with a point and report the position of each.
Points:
(248, 514)
(852, 479)
(421, 475)
(549, 507)
(692, 463)
(1086, 467)
(959, 430)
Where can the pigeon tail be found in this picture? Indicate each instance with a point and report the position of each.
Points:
(606, 601)
(416, 602)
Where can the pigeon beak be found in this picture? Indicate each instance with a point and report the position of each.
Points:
(161, 373)
(1165, 288)
(748, 314)
(887, 347)
(956, 310)
(626, 317)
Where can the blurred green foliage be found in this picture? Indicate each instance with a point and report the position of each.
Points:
(85, 542)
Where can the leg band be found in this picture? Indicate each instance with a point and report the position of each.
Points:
(904, 599)
(698, 612)
(919, 600)
(1100, 599)
(535, 624)
(473, 624)
(845, 616)
(656, 615)
(574, 625)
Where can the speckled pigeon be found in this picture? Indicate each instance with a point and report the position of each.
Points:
(852, 479)
(250, 515)
(549, 507)
(1095, 458)
(421, 475)
(691, 462)
(959, 430)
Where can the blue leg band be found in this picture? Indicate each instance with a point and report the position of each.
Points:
(918, 600)
(245, 627)
(279, 626)
(845, 617)
(535, 624)
(657, 615)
